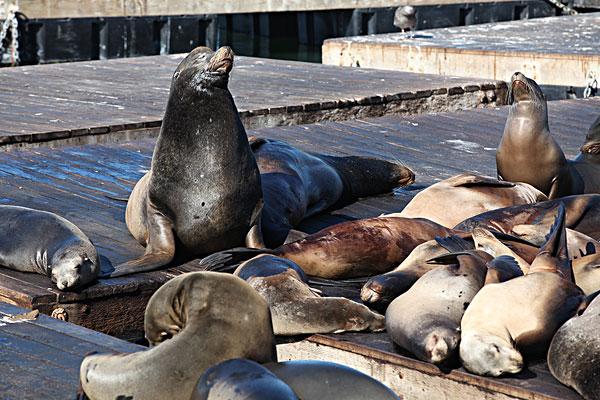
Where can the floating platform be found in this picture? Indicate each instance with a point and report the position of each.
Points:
(559, 51)
(74, 181)
(40, 358)
(75, 100)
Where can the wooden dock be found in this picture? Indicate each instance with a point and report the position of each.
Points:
(74, 181)
(128, 96)
(560, 51)
(40, 358)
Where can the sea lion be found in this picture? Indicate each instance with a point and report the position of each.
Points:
(585, 168)
(202, 193)
(587, 273)
(528, 152)
(347, 250)
(505, 320)
(574, 354)
(426, 319)
(45, 243)
(467, 195)
(297, 184)
(241, 379)
(295, 308)
(590, 151)
(582, 213)
(209, 317)
(321, 380)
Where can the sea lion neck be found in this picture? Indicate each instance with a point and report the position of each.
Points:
(526, 118)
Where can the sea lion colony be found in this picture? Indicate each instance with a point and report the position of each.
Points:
(475, 270)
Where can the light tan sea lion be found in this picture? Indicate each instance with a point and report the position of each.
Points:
(350, 249)
(528, 152)
(202, 193)
(521, 315)
(574, 354)
(295, 308)
(209, 318)
(426, 319)
(455, 199)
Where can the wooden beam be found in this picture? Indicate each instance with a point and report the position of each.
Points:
(122, 8)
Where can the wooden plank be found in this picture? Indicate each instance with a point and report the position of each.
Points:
(121, 8)
(561, 51)
(74, 100)
(40, 358)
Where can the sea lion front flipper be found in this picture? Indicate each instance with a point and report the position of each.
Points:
(295, 235)
(501, 269)
(160, 249)
(477, 180)
(254, 237)
(486, 241)
(454, 243)
(229, 260)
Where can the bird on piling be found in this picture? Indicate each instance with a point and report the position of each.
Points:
(405, 18)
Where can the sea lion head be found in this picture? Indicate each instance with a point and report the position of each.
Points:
(489, 355)
(203, 69)
(74, 266)
(592, 139)
(440, 344)
(523, 89)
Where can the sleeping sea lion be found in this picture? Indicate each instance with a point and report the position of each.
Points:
(193, 322)
(350, 249)
(472, 195)
(574, 354)
(45, 243)
(297, 184)
(426, 319)
(528, 152)
(295, 308)
(202, 193)
(504, 320)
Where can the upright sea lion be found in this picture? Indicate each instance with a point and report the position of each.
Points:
(582, 213)
(209, 318)
(297, 184)
(574, 354)
(241, 379)
(202, 193)
(522, 314)
(42, 242)
(467, 195)
(295, 308)
(528, 152)
(426, 319)
(346, 250)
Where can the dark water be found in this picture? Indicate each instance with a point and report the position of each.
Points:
(280, 47)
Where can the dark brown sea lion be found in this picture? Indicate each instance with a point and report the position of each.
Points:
(241, 379)
(209, 317)
(528, 152)
(574, 354)
(297, 184)
(426, 319)
(347, 250)
(295, 308)
(505, 320)
(590, 151)
(45, 243)
(202, 193)
(582, 214)
(467, 195)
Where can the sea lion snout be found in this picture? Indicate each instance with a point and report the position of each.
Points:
(73, 269)
(222, 61)
(489, 355)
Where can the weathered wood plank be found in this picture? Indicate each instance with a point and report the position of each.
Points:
(559, 51)
(60, 101)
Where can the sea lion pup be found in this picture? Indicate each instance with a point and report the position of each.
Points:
(528, 152)
(211, 317)
(45, 243)
(467, 195)
(203, 189)
(295, 309)
(522, 314)
(574, 354)
(426, 319)
(241, 379)
(297, 184)
(582, 213)
(347, 250)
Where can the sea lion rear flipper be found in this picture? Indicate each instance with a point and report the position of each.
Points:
(477, 180)
(228, 260)
(487, 242)
(501, 269)
(159, 251)
(295, 235)
(454, 243)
